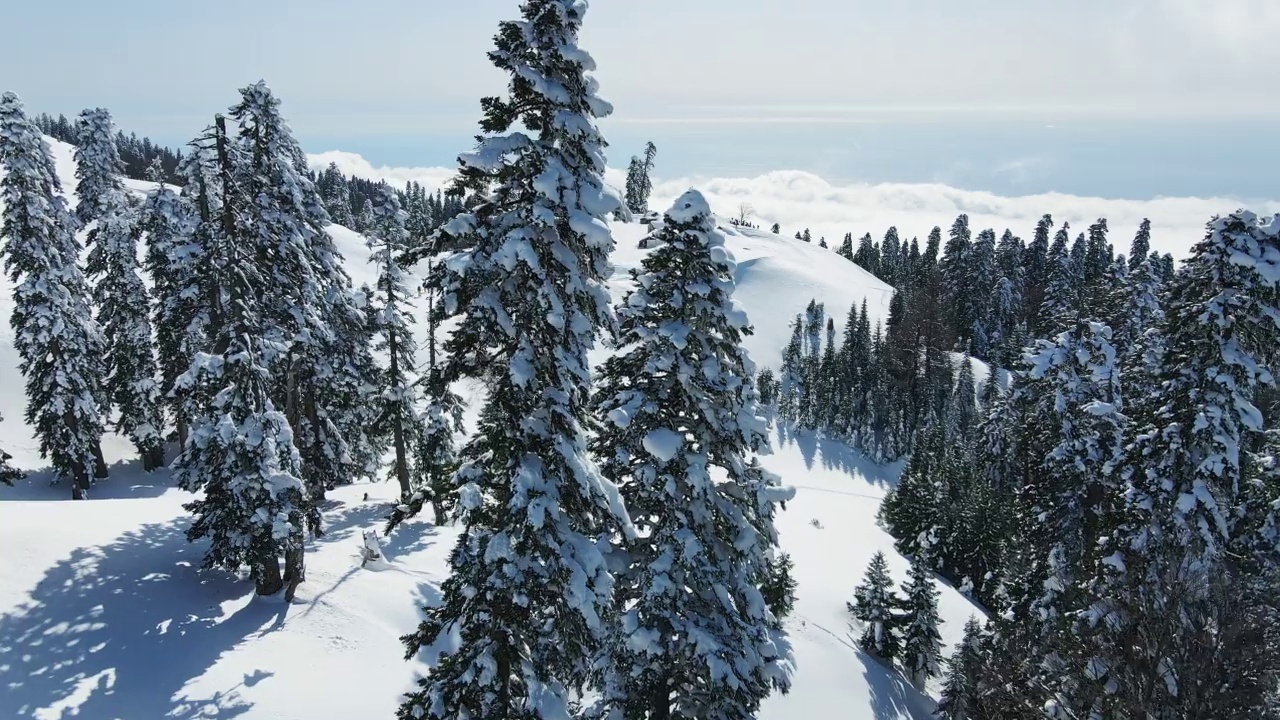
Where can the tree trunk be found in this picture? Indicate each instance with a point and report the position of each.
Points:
(182, 433)
(99, 462)
(153, 459)
(437, 506)
(660, 703)
(397, 422)
(295, 569)
(79, 481)
(267, 579)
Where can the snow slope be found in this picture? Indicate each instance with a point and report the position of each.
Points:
(105, 615)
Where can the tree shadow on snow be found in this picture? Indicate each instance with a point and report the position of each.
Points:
(126, 481)
(892, 697)
(120, 630)
(836, 455)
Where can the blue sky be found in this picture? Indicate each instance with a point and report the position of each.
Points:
(1136, 98)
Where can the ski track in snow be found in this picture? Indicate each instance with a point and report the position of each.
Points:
(105, 612)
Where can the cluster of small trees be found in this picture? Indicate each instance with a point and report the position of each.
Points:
(871, 389)
(352, 200)
(896, 627)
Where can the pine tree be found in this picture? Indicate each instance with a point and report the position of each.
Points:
(981, 274)
(98, 166)
(791, 381)
(123, 306)
(846, 247)
(639, 183)
(696, 638)
(1036, 270)
(58, 343)
(921, 643)
(960, 692)
(337, 199)
(776, 229)
(121, 298)
(311, 312)
(874, 606)
(1062, 293)
(387, 240)
(529, 596)
(155, 171)
(1141, 246)
(954, 267)
(1186, 587)
(239, 451)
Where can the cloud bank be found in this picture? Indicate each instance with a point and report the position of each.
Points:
(797, 200)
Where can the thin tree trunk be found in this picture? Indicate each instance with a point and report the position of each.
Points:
(153, 459)
(295, 570)
(397, 423)
(437, 501)
(99, 462)
(182, 433)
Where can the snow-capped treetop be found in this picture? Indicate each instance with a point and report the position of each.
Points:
(98, 166)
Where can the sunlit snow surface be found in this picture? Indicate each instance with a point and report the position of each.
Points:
(105, 614)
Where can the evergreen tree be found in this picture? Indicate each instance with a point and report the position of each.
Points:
(921, 643)
(639, 183)
(123, 308)
(1141, 246)
(58, 343)
(337, 198)
(1061, 294)
(806, 236)
(393, 319)
(1036, 272)
(1186, 588)
(155, 171)
(954, 267)
(960, 692)
(875, 606)
(846, 247)
(98, 166)
(791, 382)
(311, 312)
(239, 452)
(776, 229)
(529, 596)
(696, 638)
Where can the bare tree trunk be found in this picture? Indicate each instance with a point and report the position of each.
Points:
(295, 570)
(660, 703)
(182, 433)
(99, 462)
(153, 459)
(397, 423)
(267, 579)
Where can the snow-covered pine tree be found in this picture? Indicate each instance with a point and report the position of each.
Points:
(954, 268)
(311, 309)
(960, 692)
(530, 596)
(393, 318)
(1185, 584)
(58, 343)
(676, 409)
(791, 379)
(123, 308)
(239, 452)
(921, 642)
(1074, 385)
(1061, 305)
(1141, 246)
(875, 606)
(98, 166)
(178, 226)
(963, 417)
(981, 274)
(337, 201)
(155, 171)
(639, 184)
(119, 295)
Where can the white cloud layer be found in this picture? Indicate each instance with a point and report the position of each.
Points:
(798, 200)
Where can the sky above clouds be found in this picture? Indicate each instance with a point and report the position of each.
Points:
(1116, 98)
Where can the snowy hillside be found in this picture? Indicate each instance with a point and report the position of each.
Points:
(108, 616)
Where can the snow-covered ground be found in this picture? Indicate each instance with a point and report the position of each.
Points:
(105, 615)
